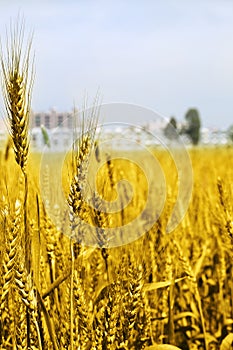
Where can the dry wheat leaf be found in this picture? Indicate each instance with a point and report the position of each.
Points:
(227, 343)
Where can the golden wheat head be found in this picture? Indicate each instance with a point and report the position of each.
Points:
(17, 79)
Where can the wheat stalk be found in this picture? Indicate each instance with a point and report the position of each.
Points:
(80, 161)
(9, 261)
(17, 81)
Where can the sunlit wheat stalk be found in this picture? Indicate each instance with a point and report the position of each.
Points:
(83, 148)
(8, 269)
(17, 80)
(188, 270)
(82, 151)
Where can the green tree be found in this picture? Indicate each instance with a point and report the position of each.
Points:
(230, 133)
(193, 125)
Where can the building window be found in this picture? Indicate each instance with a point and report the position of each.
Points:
(60, 120)
(47, 121)
(37, 120)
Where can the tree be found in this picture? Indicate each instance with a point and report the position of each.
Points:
(230, 133)
(193, 125)
(170, 130)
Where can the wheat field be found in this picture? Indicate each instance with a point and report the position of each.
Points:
(56, 292)
(163, 288)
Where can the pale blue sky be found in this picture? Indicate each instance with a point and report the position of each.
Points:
(167, 55)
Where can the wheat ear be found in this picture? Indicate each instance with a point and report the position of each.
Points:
(17, 81)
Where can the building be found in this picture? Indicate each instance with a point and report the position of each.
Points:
(51, 119)
(214, 137)
(53, 131)
(58, 127)
(57, 139)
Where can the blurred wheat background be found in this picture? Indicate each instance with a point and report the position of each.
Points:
(56, 293)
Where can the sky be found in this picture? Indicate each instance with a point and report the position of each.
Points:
(165, 55)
